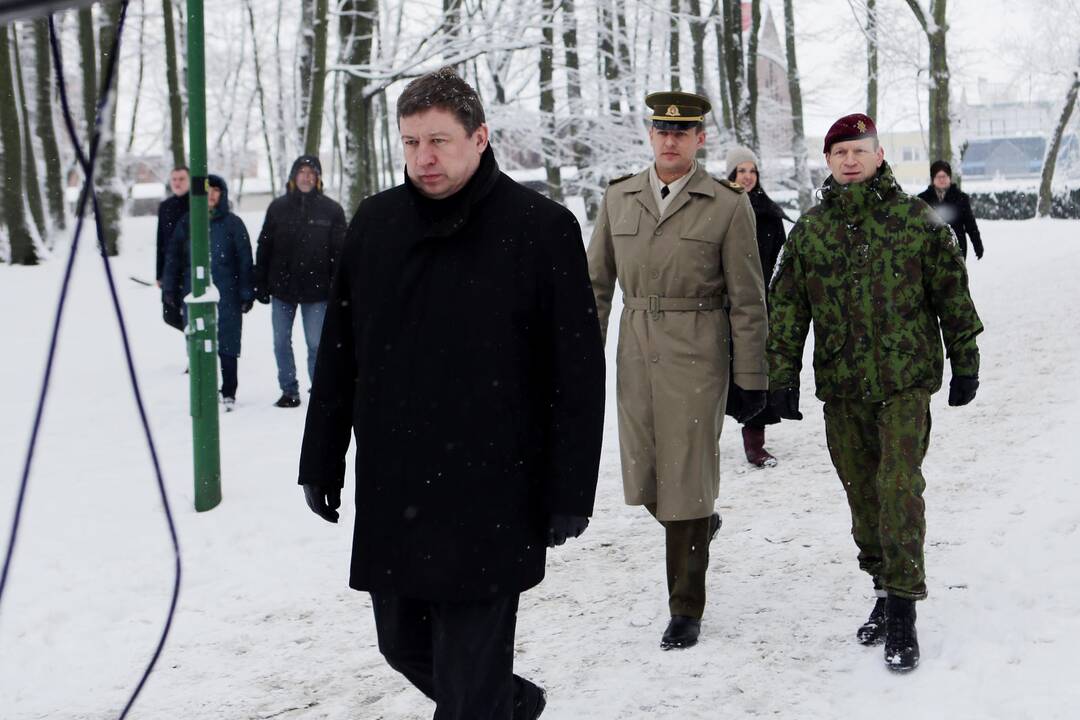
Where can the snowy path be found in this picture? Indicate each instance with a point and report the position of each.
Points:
(267, 628)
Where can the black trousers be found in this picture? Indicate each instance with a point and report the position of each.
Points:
(228, 375)
(461, 655)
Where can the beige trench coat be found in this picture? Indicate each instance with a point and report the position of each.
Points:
(676, 273)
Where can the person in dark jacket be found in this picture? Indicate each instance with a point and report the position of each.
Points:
(461, 348)
(231, 272)
(953, 206)
(298, 250)
(742, 167)
(171, 210)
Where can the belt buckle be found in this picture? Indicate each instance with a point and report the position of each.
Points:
(654, 304)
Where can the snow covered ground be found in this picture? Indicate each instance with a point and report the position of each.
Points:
(267, 628)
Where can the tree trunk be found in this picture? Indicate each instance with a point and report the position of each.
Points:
(138, 79)
(88, 56)
(1050, 160)
(871, 58)
(33, 186)
(697, 39)
(721, 69)
(318, 81)
(46, 132)
(733, 61)
(673, 46)
(176, 102)
(798, 138)
(261, 94)
(607, 54)
(20, 239)
(936, 30)
(305, 66)
(106, 182)
(356, 29)
(627, 89)
(552, 166)
(751, 75)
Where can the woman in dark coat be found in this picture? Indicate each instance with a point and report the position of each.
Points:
(231, 272)
(953, 206)
(742, 167)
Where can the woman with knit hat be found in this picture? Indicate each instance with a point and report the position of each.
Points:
(742, 167)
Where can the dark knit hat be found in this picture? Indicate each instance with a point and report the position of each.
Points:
(939, 165)
(850, 127)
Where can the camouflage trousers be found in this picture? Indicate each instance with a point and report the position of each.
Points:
(878, 449)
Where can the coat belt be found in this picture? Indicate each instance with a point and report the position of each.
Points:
(659, 303)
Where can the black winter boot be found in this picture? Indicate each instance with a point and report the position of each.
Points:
(682, 632)
(901, 641)
(872, 632)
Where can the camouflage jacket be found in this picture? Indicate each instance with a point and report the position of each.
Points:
(876, 271)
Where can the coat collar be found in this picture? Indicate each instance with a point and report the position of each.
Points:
(700, 184)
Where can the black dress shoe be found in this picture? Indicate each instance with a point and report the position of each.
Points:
(682, 632)
(288, 401)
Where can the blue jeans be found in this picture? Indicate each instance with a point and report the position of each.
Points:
(282, 315)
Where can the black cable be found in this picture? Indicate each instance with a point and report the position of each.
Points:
(88, 163)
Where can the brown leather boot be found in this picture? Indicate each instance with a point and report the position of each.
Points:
(753, 439)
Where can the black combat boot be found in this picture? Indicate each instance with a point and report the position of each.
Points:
(682, 632)
(901, 641)
(288, 401)
(715, 521)
(872, 631)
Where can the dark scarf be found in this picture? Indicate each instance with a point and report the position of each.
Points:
(446, 216)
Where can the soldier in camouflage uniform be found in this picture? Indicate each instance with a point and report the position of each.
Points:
(882, 279)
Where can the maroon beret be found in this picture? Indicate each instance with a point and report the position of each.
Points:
(850, 127)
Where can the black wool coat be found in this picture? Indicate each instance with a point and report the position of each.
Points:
(461, 347)
(298, 247)
(170, 211)
(955, 209)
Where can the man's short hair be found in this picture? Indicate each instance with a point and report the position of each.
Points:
(178, 168)
(443, 89)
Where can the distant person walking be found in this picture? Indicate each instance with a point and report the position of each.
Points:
(953, 206)
(231, 272)
(298, 249)
(171, 210)
(742, 167)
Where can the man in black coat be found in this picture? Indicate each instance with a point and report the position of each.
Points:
(953, 206)
(297, 254)
(461, 346)
(171, 210)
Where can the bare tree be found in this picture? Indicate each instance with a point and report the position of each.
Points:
(552, 164)
(139, 77)
(176, 102)
(20, 239)
(106, 182)
(871, 58)
(936, 29)
(1054, 146)
(356, 29)
(316, 90)
(33, 187)
(798, 137)
(88, 57)
(673, 46)
(751, 74)
(46, 131)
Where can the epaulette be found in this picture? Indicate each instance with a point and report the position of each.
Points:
(620, 179)
(730, 185)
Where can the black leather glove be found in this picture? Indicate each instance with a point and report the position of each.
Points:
(246, 307)
(561, 527)
(749, 403)
(323, 502)
(785, 401)
(262, 296)
(962, 389)
(978, 253)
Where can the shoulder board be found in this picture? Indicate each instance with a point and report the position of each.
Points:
(620, 179)
(730, 185)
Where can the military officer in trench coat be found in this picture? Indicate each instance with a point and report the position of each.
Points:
(682, 246)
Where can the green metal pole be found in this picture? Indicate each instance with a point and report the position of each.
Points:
(202, 303)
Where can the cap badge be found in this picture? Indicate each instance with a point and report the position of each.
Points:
(672, 111)
(861, 125)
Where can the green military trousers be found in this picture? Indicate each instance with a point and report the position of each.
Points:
(878, 449)
(687, 560)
